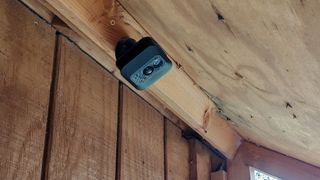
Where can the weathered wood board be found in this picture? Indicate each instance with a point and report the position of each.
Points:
(84, 122)
(142, 139)
(177, 153)
(200, 161)
(258, 60)
(26, 56)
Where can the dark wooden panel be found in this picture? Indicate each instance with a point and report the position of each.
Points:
(85, 118)
(142, 140)
(26, 56)
(177, 153)
(200, 161)
(270, 162)
(219, 175)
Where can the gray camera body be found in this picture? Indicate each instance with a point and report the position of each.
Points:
(141, 63)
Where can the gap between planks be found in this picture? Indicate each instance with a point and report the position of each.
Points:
(51, 108)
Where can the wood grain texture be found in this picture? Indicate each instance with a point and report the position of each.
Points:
(104, 59)
(270, 162)
(36, 6)
(104, 22)
(258, 60)
(142, 140)
(200, 161)
(177, 153)
(26, 56)
(84, 132)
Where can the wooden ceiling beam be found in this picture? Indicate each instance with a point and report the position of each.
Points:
(104, 22)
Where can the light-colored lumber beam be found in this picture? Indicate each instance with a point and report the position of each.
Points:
(104, 22)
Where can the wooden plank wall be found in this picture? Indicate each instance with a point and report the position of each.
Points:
(62, 116)
(84, 119)
(26, 54)
(176, 151)
(141, 140)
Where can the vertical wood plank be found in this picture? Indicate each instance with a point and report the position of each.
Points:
(85, 118)
(26, 56)
(219, 175)
(200, 161)
(142, 140)
(177, 153)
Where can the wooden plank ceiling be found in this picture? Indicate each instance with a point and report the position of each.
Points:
(257, 60)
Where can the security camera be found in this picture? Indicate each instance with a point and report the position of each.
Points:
(141, 63)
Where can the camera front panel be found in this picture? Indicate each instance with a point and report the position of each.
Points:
(146, 68)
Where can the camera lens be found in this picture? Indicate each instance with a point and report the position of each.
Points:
(157, 63)
(148, 70)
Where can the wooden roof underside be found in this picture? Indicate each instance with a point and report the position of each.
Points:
(255, 61)
(258, 60)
